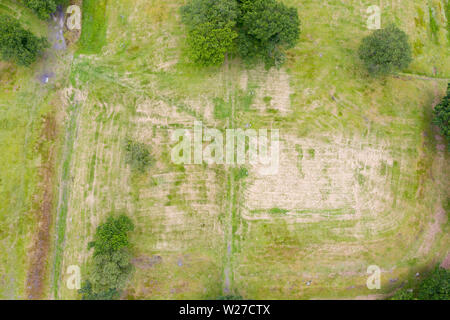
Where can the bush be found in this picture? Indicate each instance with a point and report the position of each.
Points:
(43, 8)
(385, 50)
(17, 44)
(442, 115)
(111, 260)
(137, 156)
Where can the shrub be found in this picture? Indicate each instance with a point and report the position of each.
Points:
(385, 50)
(442, 115)
(17, 44)
(137, 156)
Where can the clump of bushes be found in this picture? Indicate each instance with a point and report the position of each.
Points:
(17, 44)
(436, 286)
(111, 266)
(442, 115)
(254, 29)
(385, 51)
(137, 156)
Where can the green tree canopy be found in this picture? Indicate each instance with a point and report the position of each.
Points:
(43, 8)
(385, 51)
(209, 44)
(266, 29)
(257, 29)
(17, 44)
(112, 235)
(111, 266)
(210, 26)
(442, 115)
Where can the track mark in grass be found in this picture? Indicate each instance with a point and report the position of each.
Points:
(395, 179)
(434, 27)
(61, 213)
(278, 211)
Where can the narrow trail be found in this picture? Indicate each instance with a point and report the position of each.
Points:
(411, 76)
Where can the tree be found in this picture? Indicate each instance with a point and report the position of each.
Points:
(43, 8)
(17, 44)
(210, 25)
(111, 266)
(267, 28)
(442, 115)
(385, 50)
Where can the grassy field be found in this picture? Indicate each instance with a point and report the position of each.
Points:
(362, 179)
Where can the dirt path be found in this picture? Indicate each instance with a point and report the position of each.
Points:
(36, 275)
(411, 76)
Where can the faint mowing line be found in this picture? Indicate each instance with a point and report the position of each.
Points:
(63, 200)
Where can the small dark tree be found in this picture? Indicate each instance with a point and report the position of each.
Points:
(267, 28)
(385, 51)
(442, 115)
(210, 25)
(17, 44)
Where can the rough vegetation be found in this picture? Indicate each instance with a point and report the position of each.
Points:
(435, 286)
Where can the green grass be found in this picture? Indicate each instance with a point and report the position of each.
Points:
(94, 25)
(168, 204)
